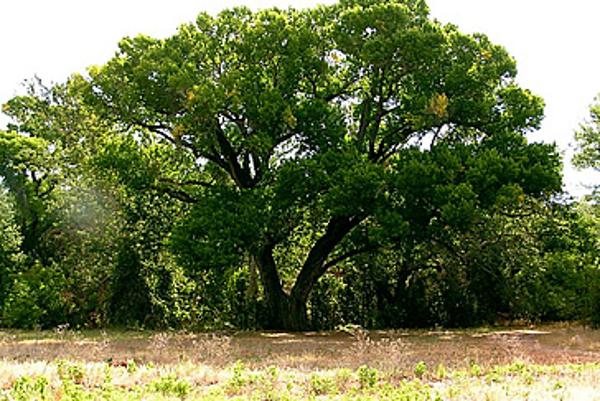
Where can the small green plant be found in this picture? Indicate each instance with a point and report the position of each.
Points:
(420, 369)
(343, 379)
(27, 388)
(271, 374)
(70, 372)
(440, 372)
(238, 377)
(131, 366)
(528, 378)
(268, 378)
(518, 367)
(493, 377)
(320, 385)
(108, 375)
(367, 377)
(475, 370)
(171, 386)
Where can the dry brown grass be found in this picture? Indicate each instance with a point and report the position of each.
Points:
(385, 350)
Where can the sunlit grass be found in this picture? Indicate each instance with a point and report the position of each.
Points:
(81, 381)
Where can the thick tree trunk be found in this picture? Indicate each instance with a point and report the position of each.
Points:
(288, 311)
(295, 317)
(285, 312)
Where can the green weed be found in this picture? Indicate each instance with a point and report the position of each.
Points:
(420, 369)
(367, 377)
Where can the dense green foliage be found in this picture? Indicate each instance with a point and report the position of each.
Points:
(542, 266)
(588, 140)
(354, 163)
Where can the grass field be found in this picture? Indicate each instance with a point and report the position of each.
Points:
(543, 363)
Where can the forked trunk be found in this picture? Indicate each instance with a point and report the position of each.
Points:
(288, 312)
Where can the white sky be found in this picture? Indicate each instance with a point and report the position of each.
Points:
(555, 43)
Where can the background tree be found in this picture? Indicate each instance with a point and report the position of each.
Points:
(60, 218)
(588, 140)
(93, 242)
(10, 241)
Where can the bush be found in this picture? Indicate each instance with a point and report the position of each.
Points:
(36, 299)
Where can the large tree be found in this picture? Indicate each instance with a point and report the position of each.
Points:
(302, 138)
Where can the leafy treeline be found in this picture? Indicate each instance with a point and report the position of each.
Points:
(355, 163)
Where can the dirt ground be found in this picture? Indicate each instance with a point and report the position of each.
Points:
(397, 349)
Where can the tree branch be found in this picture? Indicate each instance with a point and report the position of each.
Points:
(158, 129)
(363, 123)
(379, 115)
(340, 258)
(343, 90)
(240, 176)
(185, 183)
(312, 269)
(176, 193)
